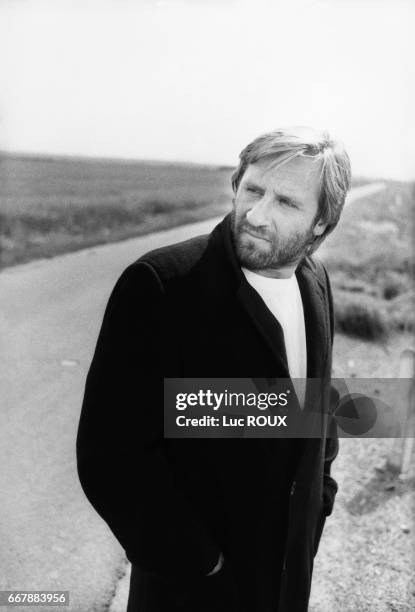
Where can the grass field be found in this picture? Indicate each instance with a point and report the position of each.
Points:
(55, 205)
(50, 206)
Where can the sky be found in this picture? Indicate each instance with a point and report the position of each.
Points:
(196, 80)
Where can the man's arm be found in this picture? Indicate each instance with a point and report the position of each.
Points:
(122, 465)
(330, 485)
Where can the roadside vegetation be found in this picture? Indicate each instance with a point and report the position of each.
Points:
(371, 261)
(52, 205)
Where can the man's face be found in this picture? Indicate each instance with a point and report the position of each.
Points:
(273, 214)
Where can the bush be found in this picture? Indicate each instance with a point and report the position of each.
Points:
(363, 319)
(394, 284)
(401, 311)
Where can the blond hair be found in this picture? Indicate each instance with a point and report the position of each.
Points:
(285, 144)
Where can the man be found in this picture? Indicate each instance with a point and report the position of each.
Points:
(221, 524)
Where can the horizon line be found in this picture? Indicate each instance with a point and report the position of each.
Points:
(72, 157)
(103, 158)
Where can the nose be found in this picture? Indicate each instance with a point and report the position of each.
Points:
(259, 214)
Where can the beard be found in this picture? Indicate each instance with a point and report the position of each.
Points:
(273, 251)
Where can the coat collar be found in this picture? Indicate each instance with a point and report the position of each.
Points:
(314, 305)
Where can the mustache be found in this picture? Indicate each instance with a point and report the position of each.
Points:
(252, 229)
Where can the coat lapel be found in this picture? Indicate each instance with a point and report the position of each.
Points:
(270, 330)
(317, 334)
(262, 318)
(317, 331)
(266, 324)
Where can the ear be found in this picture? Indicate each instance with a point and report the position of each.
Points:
(319, 228)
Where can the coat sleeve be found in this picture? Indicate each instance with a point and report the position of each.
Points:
(330, 485)
(121, 459)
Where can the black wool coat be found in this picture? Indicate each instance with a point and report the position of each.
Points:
(186, 310)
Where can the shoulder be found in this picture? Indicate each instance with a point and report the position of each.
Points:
(176, 259)
(163, 264)
(316, 267)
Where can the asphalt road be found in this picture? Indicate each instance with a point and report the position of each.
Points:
(50, 313)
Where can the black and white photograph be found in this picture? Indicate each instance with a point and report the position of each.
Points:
(207, 305)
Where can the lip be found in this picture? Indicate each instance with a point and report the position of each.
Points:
(255, 235)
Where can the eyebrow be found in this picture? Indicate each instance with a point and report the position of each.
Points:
(284, 196)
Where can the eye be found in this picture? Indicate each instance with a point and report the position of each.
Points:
(286, 202)
(255, 190)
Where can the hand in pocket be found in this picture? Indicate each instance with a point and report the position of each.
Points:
(218, 565)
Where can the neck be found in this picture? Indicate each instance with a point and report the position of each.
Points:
(283, 272)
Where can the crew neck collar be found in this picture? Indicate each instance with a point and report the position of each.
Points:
(266, 279)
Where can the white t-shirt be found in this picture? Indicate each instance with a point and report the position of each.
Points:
(283, 298)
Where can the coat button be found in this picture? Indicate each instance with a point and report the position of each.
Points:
(292, 488)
